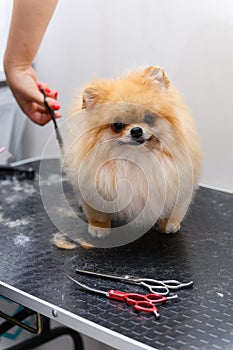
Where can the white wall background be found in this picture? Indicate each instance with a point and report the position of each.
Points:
(191, 40)
(5, 14)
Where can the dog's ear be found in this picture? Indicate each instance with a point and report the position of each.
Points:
(157, 75)
(90, 97)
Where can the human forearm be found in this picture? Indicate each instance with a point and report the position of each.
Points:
(30, 19)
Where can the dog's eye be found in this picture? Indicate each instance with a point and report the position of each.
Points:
(118, 126)
(148, 119)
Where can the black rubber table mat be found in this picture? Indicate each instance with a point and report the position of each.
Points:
(201, 318)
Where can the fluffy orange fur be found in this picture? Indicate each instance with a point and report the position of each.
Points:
(134, 152)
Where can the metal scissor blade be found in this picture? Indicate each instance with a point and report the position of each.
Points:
(92, 273)
(124, 278)
(88, 288)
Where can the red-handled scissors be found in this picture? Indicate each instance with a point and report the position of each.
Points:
(140, 302)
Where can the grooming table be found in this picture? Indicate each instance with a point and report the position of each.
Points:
(33, 271)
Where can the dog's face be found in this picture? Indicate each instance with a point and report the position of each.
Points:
(135, 126)
(132, 112)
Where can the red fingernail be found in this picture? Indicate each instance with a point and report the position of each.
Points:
(55, 94)
(39, 85)
(55, 106)
(47, 90)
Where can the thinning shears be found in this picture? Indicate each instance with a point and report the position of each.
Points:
(140, 302)
(153, 285)
(52, 115)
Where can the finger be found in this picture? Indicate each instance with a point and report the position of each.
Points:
(48, 91)
(53, 104)
(41, 85)
(55, 94)
(41, 109)
(45, 111)
(40, 118)
(33, 107)
(58, 115)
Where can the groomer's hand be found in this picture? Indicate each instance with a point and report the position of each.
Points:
(26, 89)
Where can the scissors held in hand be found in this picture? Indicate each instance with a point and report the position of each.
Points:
(52, 115)
(140, 302)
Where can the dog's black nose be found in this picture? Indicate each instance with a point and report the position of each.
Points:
(136, 132)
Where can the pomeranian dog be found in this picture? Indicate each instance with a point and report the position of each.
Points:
(134, 153)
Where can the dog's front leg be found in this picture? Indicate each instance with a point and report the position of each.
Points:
(99, 223)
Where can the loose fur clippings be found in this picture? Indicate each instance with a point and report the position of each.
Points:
(134, 153)
(62, 241)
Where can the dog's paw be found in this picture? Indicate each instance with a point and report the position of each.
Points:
(167, 226)
(99, 232)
